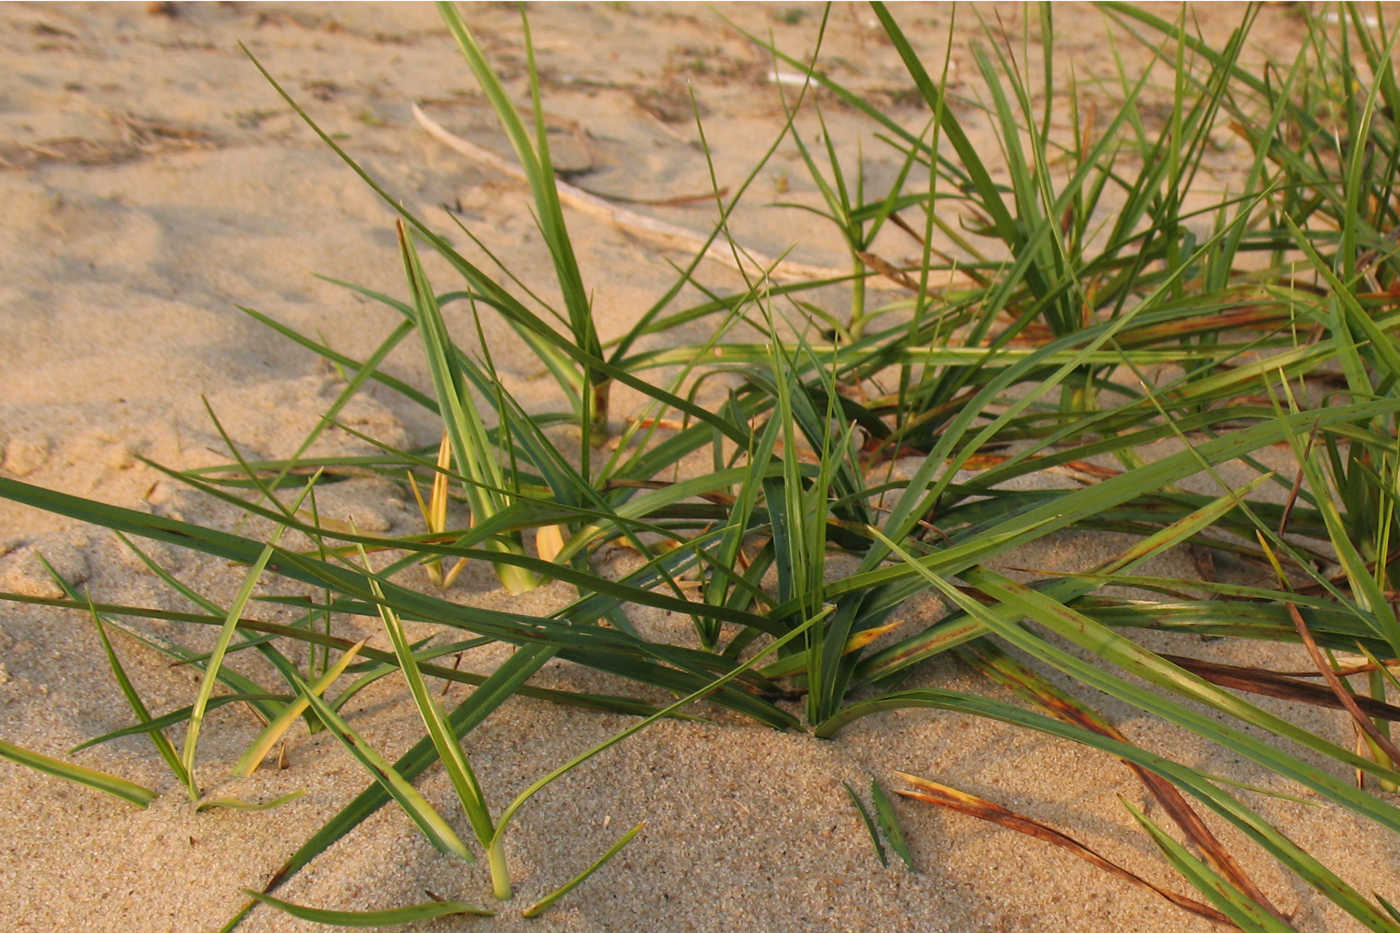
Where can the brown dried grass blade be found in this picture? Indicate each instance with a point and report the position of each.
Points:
(668, 234)
(1006, 671)
(1339, 689)
(1283, 686)
(943, 796)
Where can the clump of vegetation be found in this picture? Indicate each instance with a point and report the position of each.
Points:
(1092, 314)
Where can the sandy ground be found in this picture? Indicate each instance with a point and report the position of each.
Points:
(152, 181)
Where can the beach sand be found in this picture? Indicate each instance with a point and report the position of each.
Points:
(153, 181)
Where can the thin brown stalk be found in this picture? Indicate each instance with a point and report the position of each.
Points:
(1343, 695)
(668, 234)
(1004, 670)
(1282, 685)
(943, 796)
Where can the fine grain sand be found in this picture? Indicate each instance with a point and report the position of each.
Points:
(152, 180)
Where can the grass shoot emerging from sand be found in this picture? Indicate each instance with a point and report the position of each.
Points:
(1060, 319)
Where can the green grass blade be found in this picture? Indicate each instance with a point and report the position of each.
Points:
(449, 750)
(1244, 912)
(1072, 507)
(133, 699)
(256, 752)
(398, 916)
(475, 455)
(497, 688)
(402, 330)
(987, 190)
(869, 822)
(1188, 779)
(434, 827)
(158, 738)
(889, 824)
(107, 783)
(548, 901)
(229, 677)
(957, 629)
(177, 716)
(206, 685)
(534, 159)
(1019, 601)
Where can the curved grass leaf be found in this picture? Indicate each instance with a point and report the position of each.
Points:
(1241, 910)
(548, 901)
(397, 916)
(158, 738)
(206, 685)
(869, 822)
(434, 827)
(257, 751)
(944, 796)
(889, 824)
(107, 783)
(1188, 779)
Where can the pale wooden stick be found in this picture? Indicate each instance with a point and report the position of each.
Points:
(659, 230)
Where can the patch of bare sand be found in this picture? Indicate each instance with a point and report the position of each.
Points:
(152, 181)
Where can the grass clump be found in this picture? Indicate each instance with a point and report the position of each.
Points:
(858, 461)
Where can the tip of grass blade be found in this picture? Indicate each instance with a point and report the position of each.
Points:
(111, 784)
(889, 824)
(233, 803)
(536, 909)
(414, 913)
(869, 823)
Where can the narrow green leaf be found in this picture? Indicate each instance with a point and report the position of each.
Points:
(258, 750)
(889, 823)
(233, 803)
(434, 827)
(158, 738)
(397, 916)
(118, 787)
(500, 686)
(449, 750)
(1188, 779)
(206, 685)
(548, 901)
(176, 716)
(869, 823)
(1245, 913)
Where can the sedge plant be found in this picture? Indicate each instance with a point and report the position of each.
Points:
(853, 465)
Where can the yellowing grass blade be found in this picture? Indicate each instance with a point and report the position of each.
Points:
(278, 727)
(118, 787)
(434, 827)
(860, 639)
(1241, 910)
(549, 541)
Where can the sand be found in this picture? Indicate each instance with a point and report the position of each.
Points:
(152, 181)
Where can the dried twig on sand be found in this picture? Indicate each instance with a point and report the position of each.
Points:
(669, 234)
